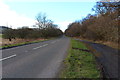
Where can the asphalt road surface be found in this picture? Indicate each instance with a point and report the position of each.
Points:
(38, 60)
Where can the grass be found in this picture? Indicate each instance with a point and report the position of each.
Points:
(80, 64)
(0, 35)
(20, 44)
(24, 43)
(107, 43)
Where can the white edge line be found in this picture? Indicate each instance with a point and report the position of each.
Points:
(8, 57)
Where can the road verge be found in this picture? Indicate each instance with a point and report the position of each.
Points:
(20, 44)
(80, 63)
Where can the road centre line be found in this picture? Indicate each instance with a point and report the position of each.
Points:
(8, 57)
(45, 45)
(40, 46)
(37, 47)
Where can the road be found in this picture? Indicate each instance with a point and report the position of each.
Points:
(38, 60)
(107, 57)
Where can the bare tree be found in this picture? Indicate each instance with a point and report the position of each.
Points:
(102, 7)
(42, 20)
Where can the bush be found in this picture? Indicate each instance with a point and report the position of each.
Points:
(28, 33)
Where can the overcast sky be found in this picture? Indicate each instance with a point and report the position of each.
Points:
(18, 13)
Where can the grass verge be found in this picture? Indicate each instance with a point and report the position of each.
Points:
(80, 64)
(20, 44)
(107, 43)
(0, 35)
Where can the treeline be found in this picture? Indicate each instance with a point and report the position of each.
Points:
(31, 33)
(103, 25)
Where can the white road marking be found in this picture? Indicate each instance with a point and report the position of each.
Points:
(8, 57)
(36, 48)
(45, 45)
(41, 46)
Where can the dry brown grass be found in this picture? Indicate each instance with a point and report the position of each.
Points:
(16, 41)
(112, 44)
(108, 43)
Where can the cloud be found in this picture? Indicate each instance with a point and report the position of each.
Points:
(9, 17)
(63, 25)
